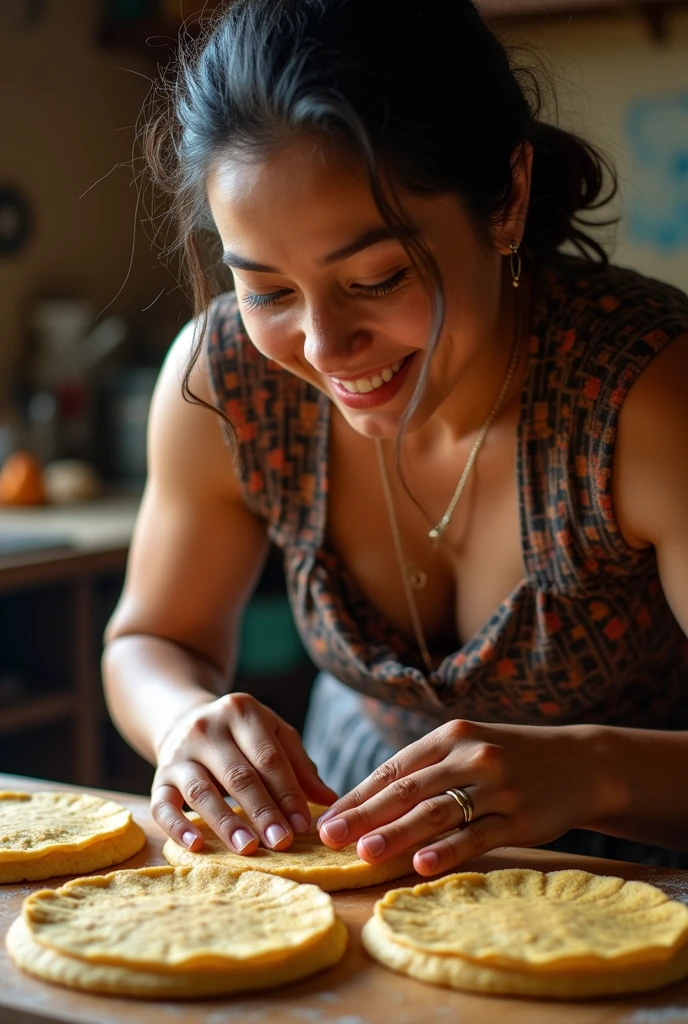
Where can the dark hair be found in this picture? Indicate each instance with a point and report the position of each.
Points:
(421, 90)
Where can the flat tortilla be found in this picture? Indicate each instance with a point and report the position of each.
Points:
(307, 859)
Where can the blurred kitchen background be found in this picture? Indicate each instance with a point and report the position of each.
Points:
(88, 309)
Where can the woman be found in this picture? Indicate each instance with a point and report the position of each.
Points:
(470, 448)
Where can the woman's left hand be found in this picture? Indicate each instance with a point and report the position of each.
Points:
(527, 784)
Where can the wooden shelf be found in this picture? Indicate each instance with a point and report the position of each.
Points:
(35, 712)
(654, 13)
(548, 8)
(48, 568)
(54, 603)
(153, 32)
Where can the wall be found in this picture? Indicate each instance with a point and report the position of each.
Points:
(629, 92)
(67, 110)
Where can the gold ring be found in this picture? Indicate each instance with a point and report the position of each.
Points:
(464, 801)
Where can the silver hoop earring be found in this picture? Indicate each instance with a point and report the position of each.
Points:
(515, 263)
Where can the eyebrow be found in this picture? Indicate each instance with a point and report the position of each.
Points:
(365, 240)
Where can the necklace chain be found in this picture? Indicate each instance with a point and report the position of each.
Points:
(407, 571)
(399, 551)
(436, 532)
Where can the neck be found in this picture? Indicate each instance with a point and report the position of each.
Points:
(466, 408)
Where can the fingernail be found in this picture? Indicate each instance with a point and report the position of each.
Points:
(336, 830)
(298, 823)
(374, 845)
(189, 838)
(241, 838)
(275, 834)
(325, 817)
(428, 861)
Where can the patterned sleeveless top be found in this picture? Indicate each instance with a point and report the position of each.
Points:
(587, 636)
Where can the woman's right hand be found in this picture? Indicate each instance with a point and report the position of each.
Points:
(195, 559)
(235, 745)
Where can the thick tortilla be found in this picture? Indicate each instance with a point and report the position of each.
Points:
(561, 934)
(166, 931)
(307, 859)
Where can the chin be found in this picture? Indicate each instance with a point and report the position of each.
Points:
(373, 424)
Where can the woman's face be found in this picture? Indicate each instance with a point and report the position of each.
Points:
(324, 291)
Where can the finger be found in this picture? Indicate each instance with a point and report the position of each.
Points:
(166, 810)
(415, 757)
(242, 781)
(423, 823)
(431, 817)
(480, 836)
(192, 784)
(392, 804)
(276, 801)
(305, 769)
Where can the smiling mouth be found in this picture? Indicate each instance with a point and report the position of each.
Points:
(364, 385)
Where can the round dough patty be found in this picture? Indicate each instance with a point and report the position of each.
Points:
(33, 824)
(166, 931)
(560, 934)
(47, 834)
(307, 859)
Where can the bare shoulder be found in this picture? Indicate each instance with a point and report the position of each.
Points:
(197, 550)
(168, 390)
(650, 473)
(186, 433)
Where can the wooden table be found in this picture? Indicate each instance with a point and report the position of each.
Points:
(356, 991)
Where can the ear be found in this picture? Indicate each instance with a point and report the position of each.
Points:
(512, 225)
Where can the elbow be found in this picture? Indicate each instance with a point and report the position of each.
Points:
(121, 623)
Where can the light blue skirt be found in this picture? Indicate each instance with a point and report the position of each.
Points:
(347, 747)
(340, 737)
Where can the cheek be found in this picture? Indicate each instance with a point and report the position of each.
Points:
(403, 320)
(274, 337)
(411, 324)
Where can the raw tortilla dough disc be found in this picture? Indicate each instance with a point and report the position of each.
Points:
(163, 931)
(560, 934)
(306, 860)
(47, 834)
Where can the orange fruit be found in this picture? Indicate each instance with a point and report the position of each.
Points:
(21, 480)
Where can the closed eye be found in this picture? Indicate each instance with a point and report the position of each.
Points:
(257, 302)
(384, 287)
(254, 302)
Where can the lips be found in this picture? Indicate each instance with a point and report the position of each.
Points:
(371, 381)
(378, 394)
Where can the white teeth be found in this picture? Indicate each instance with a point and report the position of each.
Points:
(364, 385)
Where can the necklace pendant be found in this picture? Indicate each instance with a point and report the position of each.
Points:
(434, 534)
(416, 578)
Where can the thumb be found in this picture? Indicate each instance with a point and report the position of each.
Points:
(316, 790)
(306, 770)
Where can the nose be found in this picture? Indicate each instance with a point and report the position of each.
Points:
(334, 339)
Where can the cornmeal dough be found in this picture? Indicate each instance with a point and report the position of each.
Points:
(164, 931)
(47, 834)
(306, 860)
(561, 934)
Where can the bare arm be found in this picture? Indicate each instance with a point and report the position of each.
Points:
(651, 504)
(195, 557)
(194, 560)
